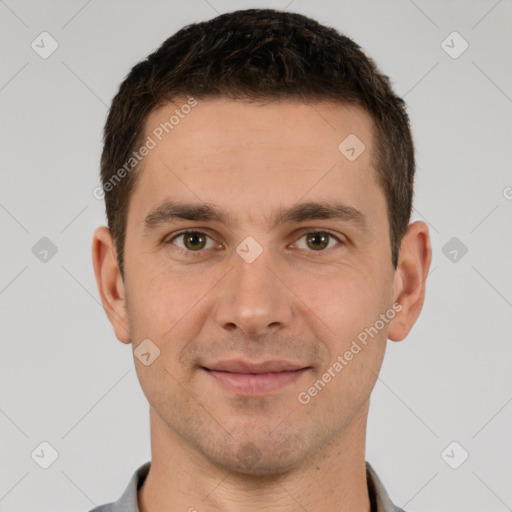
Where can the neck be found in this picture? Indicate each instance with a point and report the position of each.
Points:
(181, 479)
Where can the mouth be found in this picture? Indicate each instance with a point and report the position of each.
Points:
(246, 378)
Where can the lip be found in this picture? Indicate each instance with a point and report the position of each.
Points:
(247, 367)
(249, 378)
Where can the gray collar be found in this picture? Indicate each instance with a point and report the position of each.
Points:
(379, 499)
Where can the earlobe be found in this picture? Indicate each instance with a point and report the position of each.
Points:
(109, 282)
(410, 279)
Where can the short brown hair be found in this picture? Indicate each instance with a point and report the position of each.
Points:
(259, 54)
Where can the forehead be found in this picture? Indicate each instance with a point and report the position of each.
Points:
(253, 154)
(222, 124)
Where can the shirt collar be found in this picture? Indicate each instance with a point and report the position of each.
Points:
(379, 498)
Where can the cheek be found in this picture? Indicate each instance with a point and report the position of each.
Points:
(347, 300)
(156, 296)
(168, 309)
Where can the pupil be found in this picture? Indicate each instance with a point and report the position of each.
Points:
(318, 237)
(196, 239)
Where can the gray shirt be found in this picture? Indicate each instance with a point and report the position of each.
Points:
(379, 499)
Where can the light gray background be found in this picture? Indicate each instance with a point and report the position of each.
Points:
(65, 379)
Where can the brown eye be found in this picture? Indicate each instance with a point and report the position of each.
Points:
(318, 240)
(193, 241)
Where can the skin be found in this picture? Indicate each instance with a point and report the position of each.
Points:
(292, 303)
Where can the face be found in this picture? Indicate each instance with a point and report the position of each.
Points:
(285, 266)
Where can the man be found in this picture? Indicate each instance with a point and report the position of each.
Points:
(258, 176)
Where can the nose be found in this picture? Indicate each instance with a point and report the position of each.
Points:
(253, 298)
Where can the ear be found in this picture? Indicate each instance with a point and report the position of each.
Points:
(110, 283)
(410, 279)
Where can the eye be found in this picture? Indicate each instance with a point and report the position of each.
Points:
(319, 240)
(196, 241)
(193, 241)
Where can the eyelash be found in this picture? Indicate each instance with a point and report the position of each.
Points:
(199, 252)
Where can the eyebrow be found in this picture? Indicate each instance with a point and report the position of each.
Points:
(170, 211)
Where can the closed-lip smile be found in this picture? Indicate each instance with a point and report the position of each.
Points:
(254, 378)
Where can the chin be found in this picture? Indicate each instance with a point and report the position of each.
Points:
(261, 457)
(265, 467)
